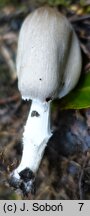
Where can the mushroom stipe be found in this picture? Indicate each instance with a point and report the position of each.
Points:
(48, 67)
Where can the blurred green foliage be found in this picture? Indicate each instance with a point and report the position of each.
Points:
(51, 2)
(59, 2)
(6, 2)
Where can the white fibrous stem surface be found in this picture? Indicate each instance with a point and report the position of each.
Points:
(35, 137)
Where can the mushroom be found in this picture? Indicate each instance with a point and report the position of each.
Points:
(48, 67)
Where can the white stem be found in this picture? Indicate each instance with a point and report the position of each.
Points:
(36, 135)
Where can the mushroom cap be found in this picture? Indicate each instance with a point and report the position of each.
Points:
(48, 57)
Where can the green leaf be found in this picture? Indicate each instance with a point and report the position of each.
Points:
(79, 98)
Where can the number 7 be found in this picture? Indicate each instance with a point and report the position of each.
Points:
(81, 205)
